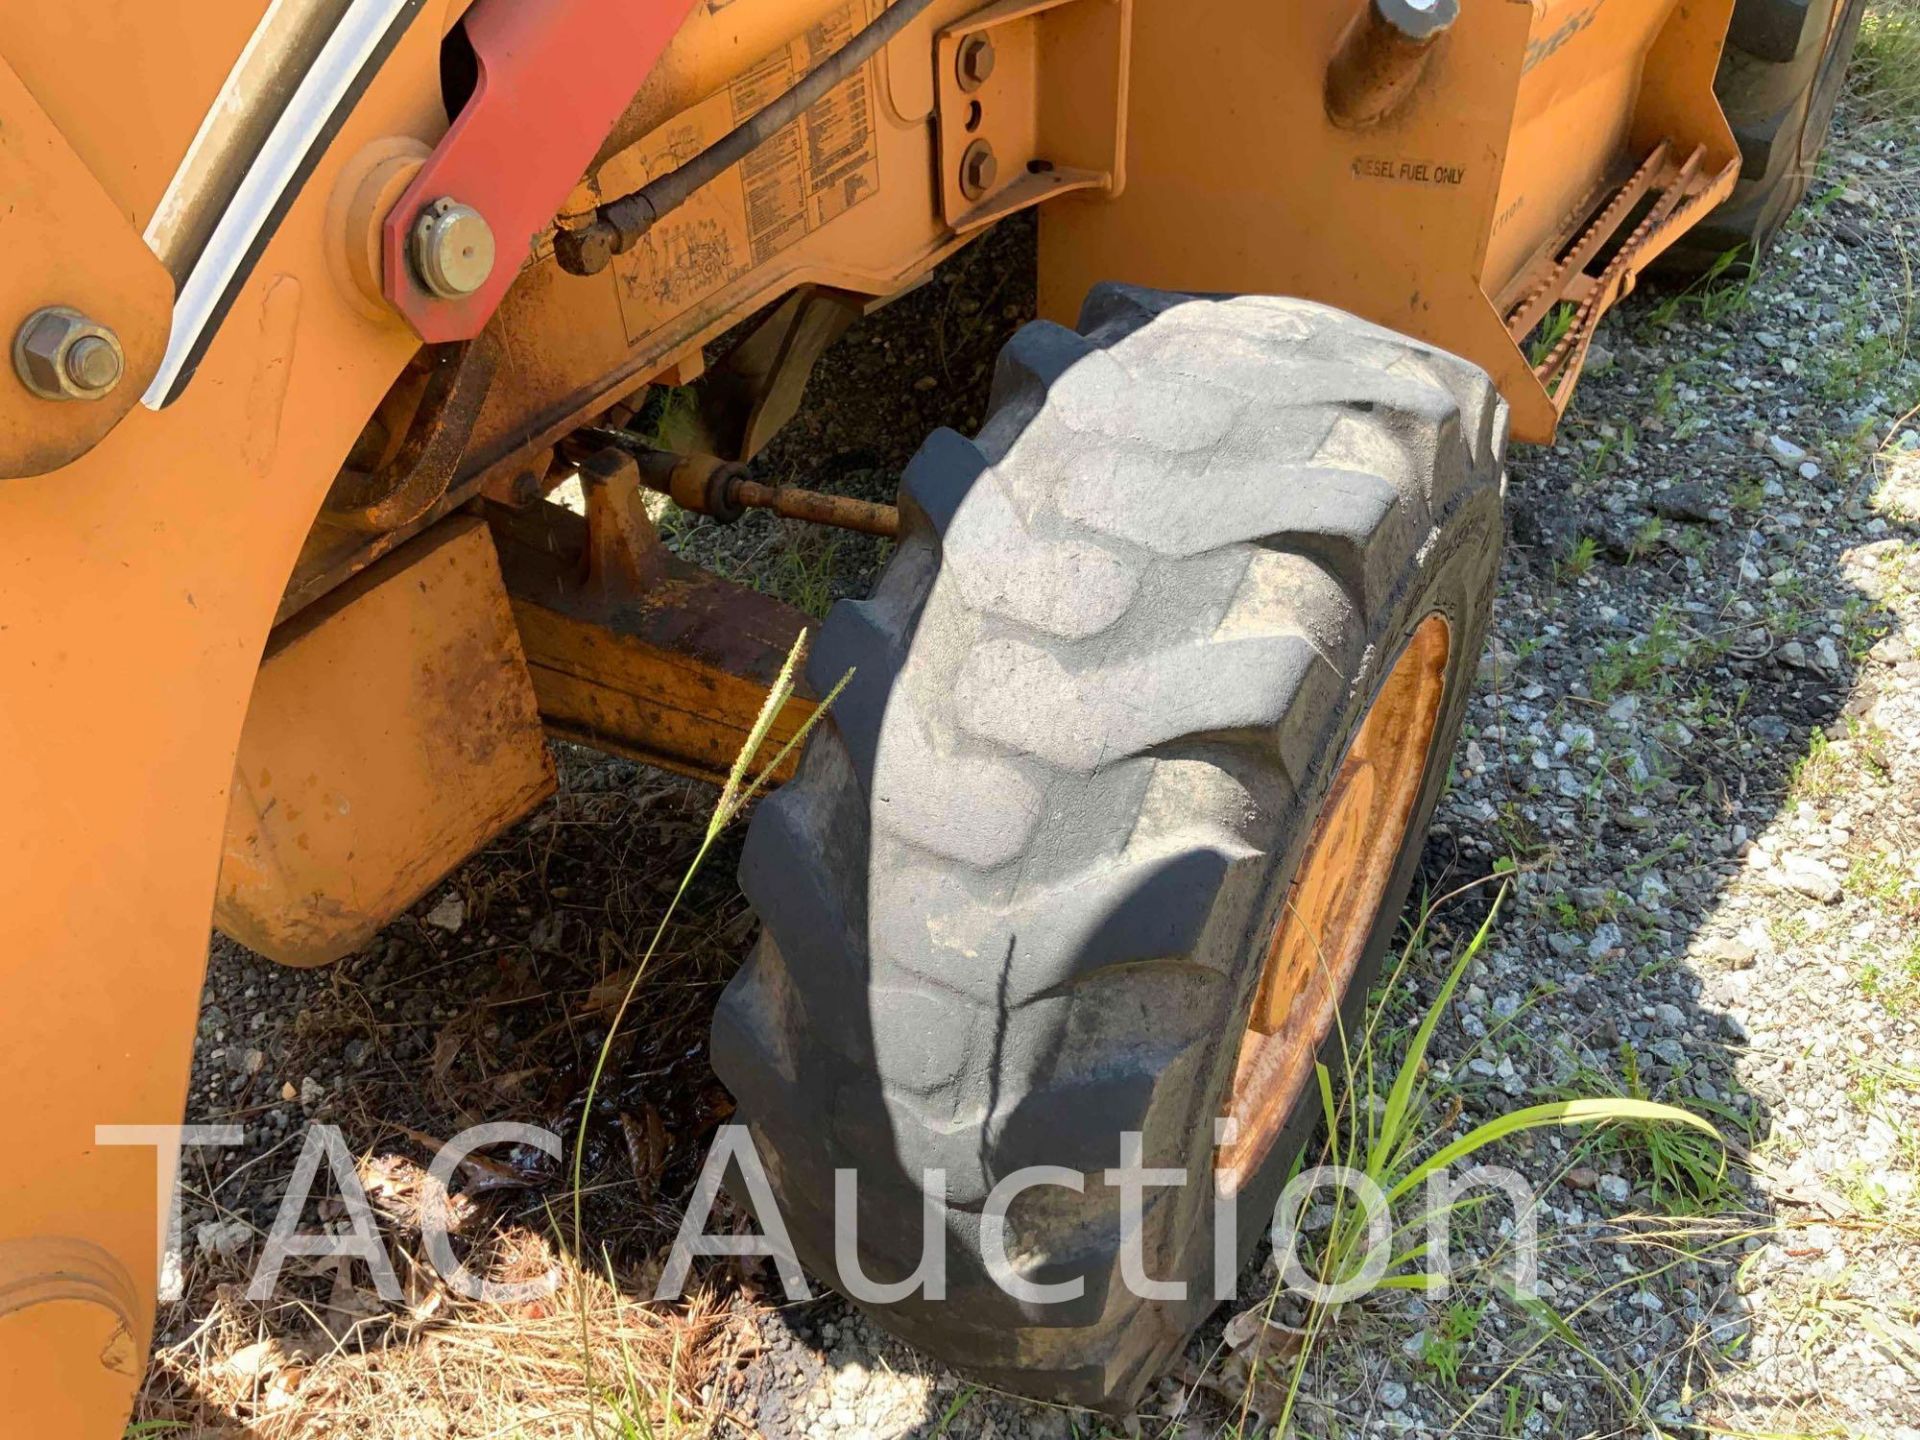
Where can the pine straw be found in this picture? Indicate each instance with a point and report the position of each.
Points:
(502, 1019)
(347, 1365)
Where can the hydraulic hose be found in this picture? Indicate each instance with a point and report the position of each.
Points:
(618, 224)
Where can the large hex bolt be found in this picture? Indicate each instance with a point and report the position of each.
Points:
(973, 62)
(452, 248)
(977, 170)
(59, 354)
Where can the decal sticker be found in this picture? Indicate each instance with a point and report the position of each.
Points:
(1547, 45)
(1407, 170)
(817, 168)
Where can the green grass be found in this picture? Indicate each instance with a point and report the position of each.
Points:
(1862, 625)
(1687, 540)
(1684, 415)
(1389, 1130)
(1579, 558)
(1725, 289)
(628, 1408)
(1627, 666)
(954, 1409)
(1890, 1093)
(1682, 1170)
(1600, 456)
(1788, 932)
(1879, 879)
(1520, 1409)
(1862, 355)
(1648, 536)
(1893, 979)
(1748, 496)
(1821, 773)
(1553, 329)
(1445, 1346)
(1828, 772)
(1886, 62)
(1665, 398)
(1896, 490)
(1520, 838)
(1611, 906)
(802, 573)
(669, 418)
(1686, 1172)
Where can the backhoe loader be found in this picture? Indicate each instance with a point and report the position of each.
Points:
(313, 303)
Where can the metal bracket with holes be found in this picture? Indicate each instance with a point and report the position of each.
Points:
(1031, 102)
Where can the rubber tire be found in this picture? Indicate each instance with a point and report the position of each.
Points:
(1779, 78)
(1016, 900)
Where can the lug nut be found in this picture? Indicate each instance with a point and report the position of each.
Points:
(977, 170)
(973, 63)
(451, 248)
(59, 354)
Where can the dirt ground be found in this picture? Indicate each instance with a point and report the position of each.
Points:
(1694, 748)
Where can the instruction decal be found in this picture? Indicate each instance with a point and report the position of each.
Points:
(816, 169)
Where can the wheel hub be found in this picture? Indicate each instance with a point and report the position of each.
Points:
(1335, 898)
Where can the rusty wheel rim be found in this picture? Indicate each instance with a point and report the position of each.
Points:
(1334, 899)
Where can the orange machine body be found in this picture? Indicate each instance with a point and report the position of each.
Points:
(1465, 216)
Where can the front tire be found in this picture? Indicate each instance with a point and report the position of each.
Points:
(1022, 894)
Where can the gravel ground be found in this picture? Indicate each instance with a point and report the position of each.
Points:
(1696, 736)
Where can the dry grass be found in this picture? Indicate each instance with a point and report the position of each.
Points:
(439, 1366)
(499, 1021)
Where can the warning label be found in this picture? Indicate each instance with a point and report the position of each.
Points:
(819, 167)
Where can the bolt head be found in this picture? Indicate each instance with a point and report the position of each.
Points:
(93, 363)
(978, 170)
(973, 62)
(452, 248)
(59, 354)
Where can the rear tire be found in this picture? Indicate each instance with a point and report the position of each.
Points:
(1018, 899)
(1780, 76)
